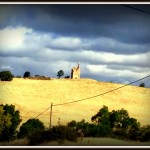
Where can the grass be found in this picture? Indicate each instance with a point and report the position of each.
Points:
(31, 97)
(85, 142)
(100, 142)
(17, 142)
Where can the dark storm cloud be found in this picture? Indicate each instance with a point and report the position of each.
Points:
(86, 21)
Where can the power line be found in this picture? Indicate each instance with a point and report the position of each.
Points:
(103, 93)
(94, 96)
(135, 8)
(42, 112)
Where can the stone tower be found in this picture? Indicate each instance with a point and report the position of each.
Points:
(75, 72)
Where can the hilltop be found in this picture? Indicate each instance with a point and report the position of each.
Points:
(32, 97)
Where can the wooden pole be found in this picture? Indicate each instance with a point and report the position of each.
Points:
(50, 124)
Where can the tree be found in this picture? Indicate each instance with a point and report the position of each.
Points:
(117, 122)
(119, 118)
(142, 85)
(145, 133)
(60, 73)
(120, 122)
(102, 117)
(134, 129)
(12, 118)
(5, 121)
(29, 127)
(26, 74)
(6, 76)
(72, 124)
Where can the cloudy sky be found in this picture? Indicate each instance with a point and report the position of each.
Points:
(111, 42)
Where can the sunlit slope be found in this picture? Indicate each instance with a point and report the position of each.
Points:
(32, 97)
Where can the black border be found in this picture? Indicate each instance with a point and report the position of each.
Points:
(73, 1)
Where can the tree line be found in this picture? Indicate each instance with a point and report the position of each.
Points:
(8, 76)
(60, 73)
(116, 123)
(105, 123)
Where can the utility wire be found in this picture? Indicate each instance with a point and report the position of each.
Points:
(93, 96)
(42, 112)
(135, 8)
(102, 93)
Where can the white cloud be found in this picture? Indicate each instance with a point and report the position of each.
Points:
(105, 57)
(22, 39)
(66, 42)
(102, 69)
(12, 38)
(48, 40)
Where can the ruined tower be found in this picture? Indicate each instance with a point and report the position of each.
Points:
(75, 72)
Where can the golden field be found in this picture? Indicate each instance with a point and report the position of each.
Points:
(32, 97)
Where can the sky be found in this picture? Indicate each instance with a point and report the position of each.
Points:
(111, 41)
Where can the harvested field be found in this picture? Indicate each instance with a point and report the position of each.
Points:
(31, 97)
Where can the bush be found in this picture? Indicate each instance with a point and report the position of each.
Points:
(73, 124)
(134, 134)
(94, 130)
(29, 127)
(142, 85)
(5, 121)
(6, 76)
(56, 133)
(64, 132)
(10, 125)
(39, 136)
(145, 133)
(67, 76)
(26, 74)
(90, 129)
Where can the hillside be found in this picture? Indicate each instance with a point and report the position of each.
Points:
(32, 97)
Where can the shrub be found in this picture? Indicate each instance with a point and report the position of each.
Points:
(10, 125)
(26, 74)
(5, 121)
(29, 127)
(6, 76)
(134, 134)
(40, 136)
(65, 132)
(56, 133)
(145, 133)
(90, 129)
(73, 124)
(67, 76)
(142, 85)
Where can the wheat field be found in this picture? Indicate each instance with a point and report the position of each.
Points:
(32, 97)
